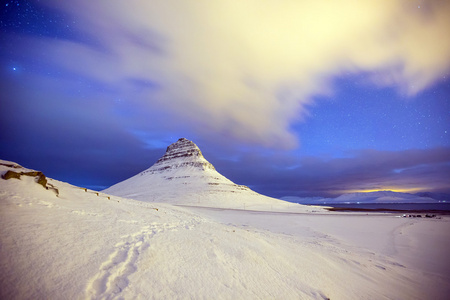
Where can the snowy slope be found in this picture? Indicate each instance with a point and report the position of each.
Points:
(184, 176)
(81, 244)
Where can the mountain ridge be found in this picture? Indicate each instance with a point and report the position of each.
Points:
(366, 198)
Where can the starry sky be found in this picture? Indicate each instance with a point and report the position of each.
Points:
(292, 98)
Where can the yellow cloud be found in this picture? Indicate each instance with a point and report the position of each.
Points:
(393, 189)
(250, 68)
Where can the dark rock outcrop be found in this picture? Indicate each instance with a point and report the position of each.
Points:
(40, 177)
(11, 165)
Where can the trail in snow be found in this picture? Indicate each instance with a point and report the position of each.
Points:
(113, 274)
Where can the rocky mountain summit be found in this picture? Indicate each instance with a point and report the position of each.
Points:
(183, 176)
(181, 154)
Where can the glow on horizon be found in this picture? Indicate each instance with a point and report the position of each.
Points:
(386, 189)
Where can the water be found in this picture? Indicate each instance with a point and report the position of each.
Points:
(395, 206)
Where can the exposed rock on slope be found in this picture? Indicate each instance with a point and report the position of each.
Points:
(183, 148)
(38, 176)
(182, 154)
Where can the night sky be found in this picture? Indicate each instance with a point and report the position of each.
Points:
(292, 98)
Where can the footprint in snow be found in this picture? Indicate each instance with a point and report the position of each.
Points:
(112, 277)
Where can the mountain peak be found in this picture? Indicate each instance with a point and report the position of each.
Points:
(181, 148)
(182, 153)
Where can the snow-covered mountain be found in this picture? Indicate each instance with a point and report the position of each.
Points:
(442, 197)
(184, 176)
(382, 197)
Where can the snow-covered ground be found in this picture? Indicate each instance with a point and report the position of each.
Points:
(84, 245)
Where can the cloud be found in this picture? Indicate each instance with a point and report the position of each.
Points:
(365, 170)
(249, 69)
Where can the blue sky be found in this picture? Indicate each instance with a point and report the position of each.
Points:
(288, 97)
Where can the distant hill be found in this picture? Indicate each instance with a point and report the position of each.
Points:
(371, 197)
(437, 196)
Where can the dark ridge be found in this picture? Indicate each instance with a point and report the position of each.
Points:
(389, 210)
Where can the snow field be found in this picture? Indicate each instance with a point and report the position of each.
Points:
(81, 245)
